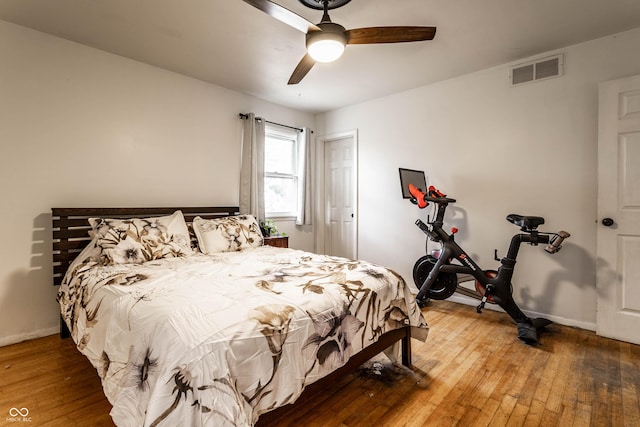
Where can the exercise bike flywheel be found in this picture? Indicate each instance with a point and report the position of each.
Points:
(445, 284)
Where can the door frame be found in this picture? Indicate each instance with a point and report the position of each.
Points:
(321, 193)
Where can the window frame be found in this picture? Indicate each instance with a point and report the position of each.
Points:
(281, 132)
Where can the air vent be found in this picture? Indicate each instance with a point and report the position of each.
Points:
(540, 69)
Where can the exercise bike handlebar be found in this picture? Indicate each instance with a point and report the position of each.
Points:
(555, 243)
(433, 195)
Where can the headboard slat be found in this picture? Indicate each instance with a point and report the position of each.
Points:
(71, 222)
(71, 233)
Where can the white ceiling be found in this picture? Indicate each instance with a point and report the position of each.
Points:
(232, 44)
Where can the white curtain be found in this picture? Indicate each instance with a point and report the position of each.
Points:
(305, 197)
(252, 168)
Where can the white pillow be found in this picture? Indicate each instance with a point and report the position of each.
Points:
(227, 234)
(135, 240)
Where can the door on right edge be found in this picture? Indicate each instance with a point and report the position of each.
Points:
(618, 235)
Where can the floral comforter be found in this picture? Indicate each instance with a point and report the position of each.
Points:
(217, 340)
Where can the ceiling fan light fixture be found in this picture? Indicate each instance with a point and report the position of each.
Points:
(326, 50)
(326, 45)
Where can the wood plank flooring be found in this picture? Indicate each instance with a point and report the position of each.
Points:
(472, 371)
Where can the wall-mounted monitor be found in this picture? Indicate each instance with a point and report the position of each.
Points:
(411, 176)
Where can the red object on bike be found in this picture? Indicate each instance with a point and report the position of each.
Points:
(419, 195)
(437, 192)
(454, 230)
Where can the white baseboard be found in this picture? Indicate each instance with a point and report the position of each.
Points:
(589, 326)
(13, 339)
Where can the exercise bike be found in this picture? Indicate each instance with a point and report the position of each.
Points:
(437, 275)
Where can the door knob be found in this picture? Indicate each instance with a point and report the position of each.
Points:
(607, 222)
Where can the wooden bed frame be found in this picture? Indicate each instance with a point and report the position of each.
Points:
(70, 236)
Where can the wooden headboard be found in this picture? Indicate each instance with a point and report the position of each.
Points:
(70, 227)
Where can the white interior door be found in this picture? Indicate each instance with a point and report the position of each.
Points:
(618, 263)
(340, 196)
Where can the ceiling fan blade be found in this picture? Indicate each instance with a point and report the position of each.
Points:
(304, 66)
(283, 14)
(372, 35)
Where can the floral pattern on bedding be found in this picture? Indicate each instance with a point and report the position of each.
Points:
(218, 340)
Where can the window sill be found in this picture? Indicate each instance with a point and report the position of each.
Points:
(282, 217)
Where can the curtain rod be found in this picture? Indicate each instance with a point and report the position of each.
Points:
(244, 116)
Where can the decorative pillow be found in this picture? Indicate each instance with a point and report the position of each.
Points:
(228, 234)
(135, 240)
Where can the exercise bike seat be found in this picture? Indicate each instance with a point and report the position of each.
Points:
(526, 223)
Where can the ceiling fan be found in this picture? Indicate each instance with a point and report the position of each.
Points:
(326, 40)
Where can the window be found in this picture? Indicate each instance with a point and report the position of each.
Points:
(280, 171)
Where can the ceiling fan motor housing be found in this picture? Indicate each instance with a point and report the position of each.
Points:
(319, 4)
(330, 31)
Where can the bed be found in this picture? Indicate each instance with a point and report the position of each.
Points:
(190, 320)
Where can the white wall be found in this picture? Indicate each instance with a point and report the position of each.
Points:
(530, 149)
(82, 127)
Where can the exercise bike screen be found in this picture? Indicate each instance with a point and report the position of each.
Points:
(410, 176)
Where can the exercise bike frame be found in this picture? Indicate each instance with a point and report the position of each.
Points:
(500, 286)
(497, 287)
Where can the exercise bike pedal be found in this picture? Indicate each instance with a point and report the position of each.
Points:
(488, 291)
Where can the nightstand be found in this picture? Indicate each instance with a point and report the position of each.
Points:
(277, 241)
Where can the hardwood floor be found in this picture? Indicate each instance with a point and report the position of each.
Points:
(471, 371)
